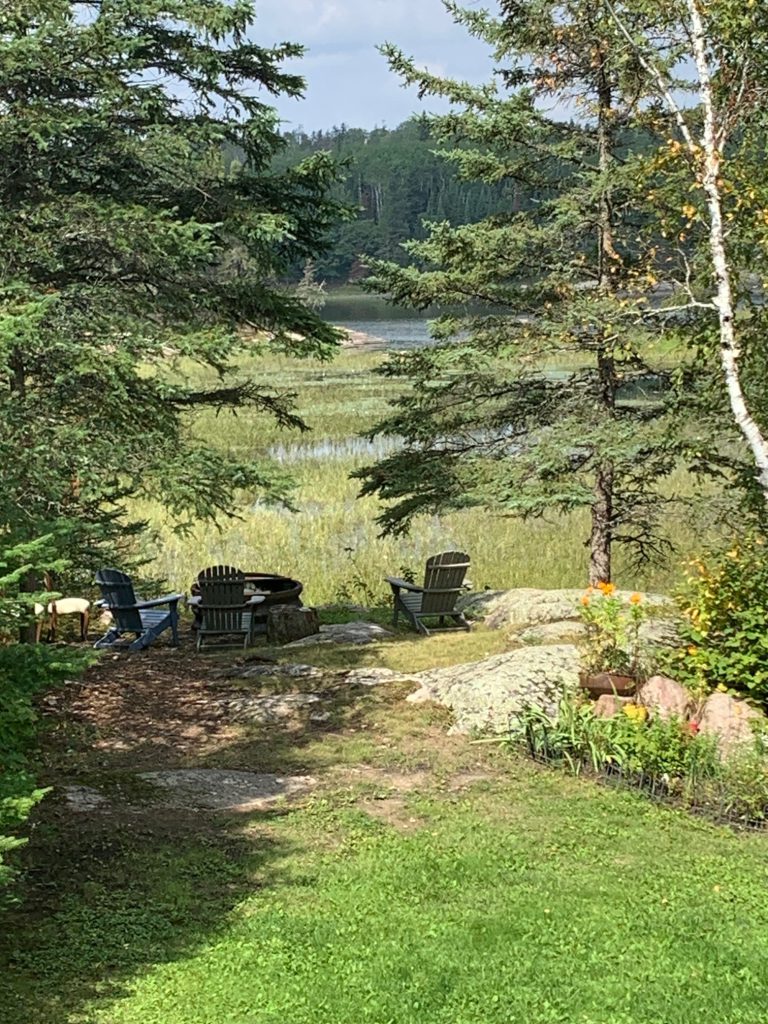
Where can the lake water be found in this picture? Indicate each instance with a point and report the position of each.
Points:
(388, 327)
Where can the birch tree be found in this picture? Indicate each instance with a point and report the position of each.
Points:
(719, 51)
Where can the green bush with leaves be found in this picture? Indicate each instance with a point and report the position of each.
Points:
(671, 757)
(725, 627)
(577, 737)
(25, 671)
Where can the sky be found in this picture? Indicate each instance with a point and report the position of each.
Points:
(348, 81)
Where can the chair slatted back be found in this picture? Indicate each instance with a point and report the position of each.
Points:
(444, 572)
(222, 593)
(119, 595)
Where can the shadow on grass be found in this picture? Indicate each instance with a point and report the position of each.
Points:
(109, 896)
(110, 893)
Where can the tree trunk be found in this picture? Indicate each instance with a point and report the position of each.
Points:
(601, 537)
(730, 352)
(30, 584)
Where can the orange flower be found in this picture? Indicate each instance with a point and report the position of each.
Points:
(636, 598)
(585, 600)
(607, 588)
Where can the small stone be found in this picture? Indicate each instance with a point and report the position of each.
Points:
(420, 696)
(665, 698)
(729, 720)
(609, 705)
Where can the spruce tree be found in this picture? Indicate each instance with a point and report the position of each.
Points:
(132, 257)
(528, 403)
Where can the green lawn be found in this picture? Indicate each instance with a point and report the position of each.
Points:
(427, 879)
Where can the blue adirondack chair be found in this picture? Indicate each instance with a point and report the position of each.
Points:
(147, 619)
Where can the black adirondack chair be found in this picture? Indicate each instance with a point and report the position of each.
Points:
(443, 586)
(222, 608)
(146, 619)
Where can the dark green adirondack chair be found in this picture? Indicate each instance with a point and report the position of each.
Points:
(146, 619)
(443, 586)
(222, 608)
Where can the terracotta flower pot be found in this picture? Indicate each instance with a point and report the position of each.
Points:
(609, 682)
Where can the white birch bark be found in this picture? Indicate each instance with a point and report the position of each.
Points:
(730, 352)
(708, 156)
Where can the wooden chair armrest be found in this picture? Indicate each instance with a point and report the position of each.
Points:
(399, 584)
(250, 603)
(167, 599)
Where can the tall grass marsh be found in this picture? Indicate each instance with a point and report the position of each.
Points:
(332, 542)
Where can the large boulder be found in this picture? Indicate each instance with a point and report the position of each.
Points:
(730, 720)
(345, 633)
(486, 696)
(525, 607)
(664, 698)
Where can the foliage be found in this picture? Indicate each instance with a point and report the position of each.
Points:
(488, 421)
(712, 170)
(25, 671)
(612, 641)
(631, 741)
(672, 757)
(725, 609)
(395, 180)
(342, 400)
(130, 253)
(309, 290)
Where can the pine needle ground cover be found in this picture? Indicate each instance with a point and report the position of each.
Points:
(425, 879)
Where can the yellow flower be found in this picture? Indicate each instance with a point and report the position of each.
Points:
(722, 688)
(635, 712)
(693, 651)
(608, 588)
(636, 598)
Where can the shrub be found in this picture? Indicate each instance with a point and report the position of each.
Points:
(725, 628)
(612, 640)
(25, 671)
(670, 759)
(576, 736)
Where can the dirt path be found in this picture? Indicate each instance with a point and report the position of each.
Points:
(171, 711)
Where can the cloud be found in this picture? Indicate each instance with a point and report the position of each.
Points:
(347, 79)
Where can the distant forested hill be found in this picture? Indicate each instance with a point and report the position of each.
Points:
(395, 181)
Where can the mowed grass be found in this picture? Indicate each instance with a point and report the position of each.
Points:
(426, 879)
(528, 898)
(333, 543)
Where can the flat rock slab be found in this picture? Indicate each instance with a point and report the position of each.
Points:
(375, 677)
(528, 606)
(217, 789)
(269, 671)
(345, 633)
(486, 696)
(270, 709)
(84, 798)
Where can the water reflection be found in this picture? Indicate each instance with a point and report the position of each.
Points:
(333, 450)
